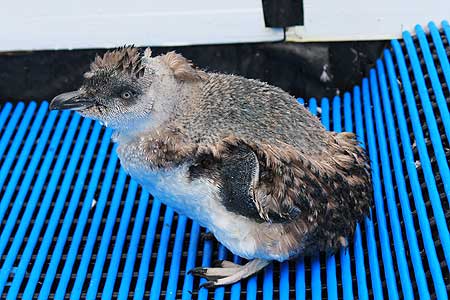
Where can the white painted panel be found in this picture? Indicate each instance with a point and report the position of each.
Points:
(53, 24)
(331, 20)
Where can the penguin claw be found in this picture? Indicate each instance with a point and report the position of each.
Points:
(217, 263)
(207, 236)
(199, 271)
(208, 284)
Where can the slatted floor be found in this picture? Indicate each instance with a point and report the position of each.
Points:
(73, 225)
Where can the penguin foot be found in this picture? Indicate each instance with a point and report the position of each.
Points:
(227, 272)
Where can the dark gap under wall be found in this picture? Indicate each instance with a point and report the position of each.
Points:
(296, 68)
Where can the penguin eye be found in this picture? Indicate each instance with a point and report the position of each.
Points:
(126, 95)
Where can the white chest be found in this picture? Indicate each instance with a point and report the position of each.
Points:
(199, 199)
(175, 189)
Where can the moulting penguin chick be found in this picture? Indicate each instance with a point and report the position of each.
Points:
(241, 157)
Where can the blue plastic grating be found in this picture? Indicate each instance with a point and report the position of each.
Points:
(74, 226)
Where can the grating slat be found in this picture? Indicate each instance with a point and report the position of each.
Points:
(443, 58)
(162, 254)
(236, 288)
(23, 190)
(420, 141)
(43, 250)
(433, 73)
(145, 262)
(74, 226)
(389, 193)
(284, 280)
(93, 231)
(6, 110)
(19, 164)
(267, 283)
(412, 172)
(118, 247)
(369, 226)
(357, 239)
(6, 135)
(429, 114)
(176, 258)
(330, 260)
(19, 235)
(219, 293)
(399, 175)
(125, 217)
(386, 252)
(346, 272)
(18, 138)
(316, 282)
(106, 238)
(132, 250)
(191, 260)
(82, 218)
(47, 199)
(206, 261)
(300, 284)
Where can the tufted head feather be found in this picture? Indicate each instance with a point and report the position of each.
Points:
(125, 59)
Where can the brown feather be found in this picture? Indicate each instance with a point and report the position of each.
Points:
(182, 68)
(329, 189)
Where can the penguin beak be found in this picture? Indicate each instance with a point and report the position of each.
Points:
(75, 100)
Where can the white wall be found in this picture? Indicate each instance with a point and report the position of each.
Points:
(329, 20)
(67, 24)
(61, 24)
